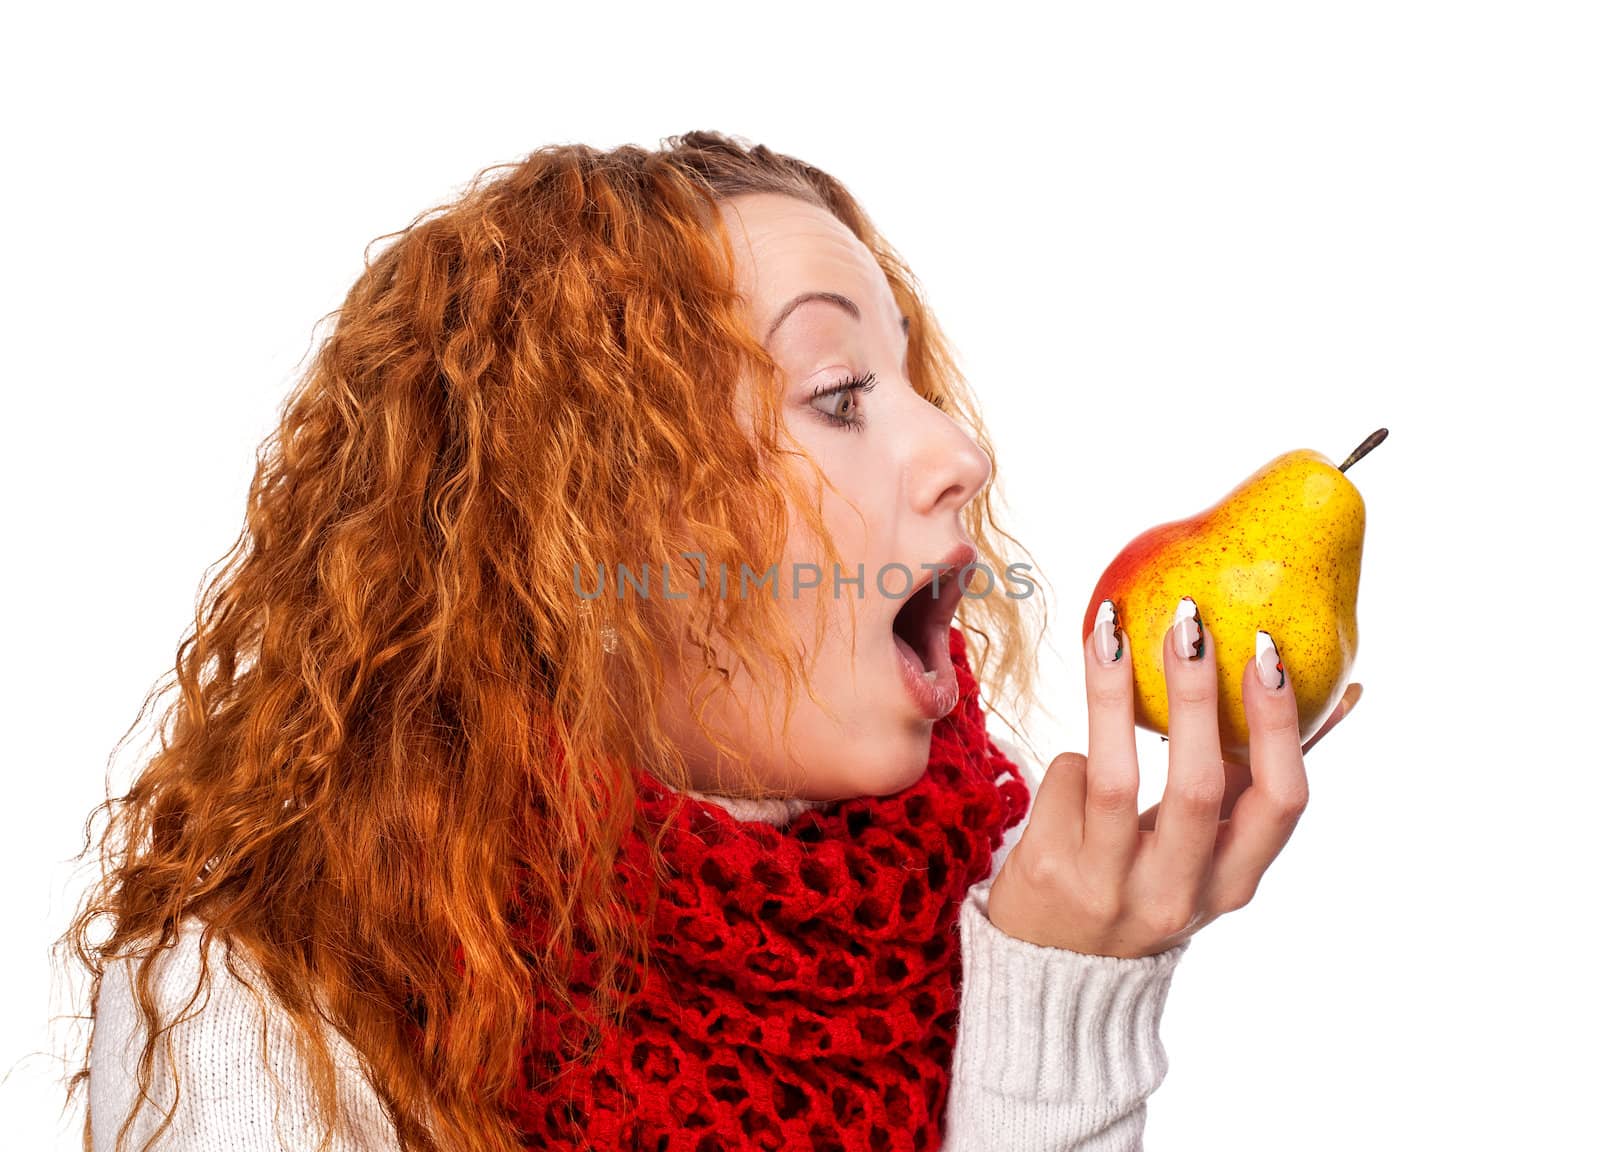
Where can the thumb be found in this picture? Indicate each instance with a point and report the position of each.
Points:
(1346, 704)
(1055, 818)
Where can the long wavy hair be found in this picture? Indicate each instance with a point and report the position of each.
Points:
(392, 665)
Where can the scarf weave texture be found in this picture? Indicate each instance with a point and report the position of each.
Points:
(804, 980)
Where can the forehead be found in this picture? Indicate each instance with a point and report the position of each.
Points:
(785, 246)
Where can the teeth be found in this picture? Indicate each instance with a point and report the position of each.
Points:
(930, 677)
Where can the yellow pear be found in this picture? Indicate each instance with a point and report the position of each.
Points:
(1281, 553)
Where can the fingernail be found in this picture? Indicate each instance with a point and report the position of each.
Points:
(1268, 665)
(1107, 637)
(1188, 634)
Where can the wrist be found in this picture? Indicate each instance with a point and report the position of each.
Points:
(1050, 1024)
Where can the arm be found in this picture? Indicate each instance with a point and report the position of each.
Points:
(1055, 1050)
(229, 1095)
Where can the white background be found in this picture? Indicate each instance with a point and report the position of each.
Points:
(1170, 242)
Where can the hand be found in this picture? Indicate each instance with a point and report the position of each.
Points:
(1091, 874)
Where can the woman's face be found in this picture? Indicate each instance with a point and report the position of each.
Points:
(903, 472)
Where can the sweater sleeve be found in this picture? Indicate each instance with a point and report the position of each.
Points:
(241, 1083)
(1055, 1050)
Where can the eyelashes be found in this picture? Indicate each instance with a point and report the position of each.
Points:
(848, 388)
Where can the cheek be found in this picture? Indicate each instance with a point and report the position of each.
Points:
(857, 510)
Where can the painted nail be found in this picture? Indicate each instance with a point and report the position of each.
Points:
(1269, 666)
(1188, 634)
(1107, 636)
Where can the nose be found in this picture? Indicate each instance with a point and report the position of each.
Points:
(948, 468)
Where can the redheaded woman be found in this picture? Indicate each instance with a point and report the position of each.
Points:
(584, 746)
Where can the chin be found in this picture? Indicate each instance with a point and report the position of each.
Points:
(873, 768)
(898, 768)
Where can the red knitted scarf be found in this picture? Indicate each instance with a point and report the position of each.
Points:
(804, 980)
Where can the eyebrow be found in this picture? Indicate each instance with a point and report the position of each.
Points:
(834, 298)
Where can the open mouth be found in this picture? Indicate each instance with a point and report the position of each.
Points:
(922, 626)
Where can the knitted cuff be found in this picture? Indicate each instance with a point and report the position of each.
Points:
(1054, 1026)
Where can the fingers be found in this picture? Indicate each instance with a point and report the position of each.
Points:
(1270, 808)
(1191, 805)
(1111, 798)
(1238, 779)
(1238, 775)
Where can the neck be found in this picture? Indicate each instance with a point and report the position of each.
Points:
(767, 810)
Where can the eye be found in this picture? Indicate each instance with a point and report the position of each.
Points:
(840, 410)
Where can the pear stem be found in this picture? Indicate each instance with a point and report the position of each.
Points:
(1365, 446)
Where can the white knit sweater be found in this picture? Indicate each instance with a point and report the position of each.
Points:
(1054, 1050)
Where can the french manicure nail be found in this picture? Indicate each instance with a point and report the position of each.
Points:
(1188, 634)
(1107, 636)
(1268, 664)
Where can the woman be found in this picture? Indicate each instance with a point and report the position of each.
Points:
(491, 813)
